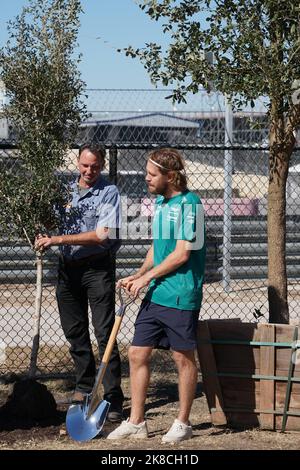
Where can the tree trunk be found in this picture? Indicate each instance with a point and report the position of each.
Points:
(37, 315)
(277, 275)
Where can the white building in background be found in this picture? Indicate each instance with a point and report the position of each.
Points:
(3, 120)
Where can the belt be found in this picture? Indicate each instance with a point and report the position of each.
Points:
(84, 261)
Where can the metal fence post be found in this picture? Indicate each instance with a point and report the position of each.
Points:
(113, 165)
(227, 195)
(113, 177)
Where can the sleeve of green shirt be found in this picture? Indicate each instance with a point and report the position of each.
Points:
(190, 221)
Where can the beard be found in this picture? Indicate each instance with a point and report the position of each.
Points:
(159, 190)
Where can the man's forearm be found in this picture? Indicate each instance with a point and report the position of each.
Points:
(147, 264)
(170, 264)
(84, 238)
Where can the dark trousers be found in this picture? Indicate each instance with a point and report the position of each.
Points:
(79, 284)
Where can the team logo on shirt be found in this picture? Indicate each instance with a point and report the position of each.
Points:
(173, 214)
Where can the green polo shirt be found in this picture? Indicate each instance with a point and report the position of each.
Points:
(179, 218)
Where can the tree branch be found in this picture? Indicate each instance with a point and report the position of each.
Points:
(20, 220)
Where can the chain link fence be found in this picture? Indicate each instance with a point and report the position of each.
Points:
(231, 179)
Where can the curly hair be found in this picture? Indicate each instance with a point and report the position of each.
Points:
(170, 160)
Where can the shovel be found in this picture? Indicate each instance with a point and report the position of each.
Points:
(85, 420)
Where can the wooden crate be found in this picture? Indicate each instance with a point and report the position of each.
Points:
(251, 373)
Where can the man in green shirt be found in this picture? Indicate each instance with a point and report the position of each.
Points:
(173, 271)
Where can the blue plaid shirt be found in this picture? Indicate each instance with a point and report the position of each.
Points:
(98, 207)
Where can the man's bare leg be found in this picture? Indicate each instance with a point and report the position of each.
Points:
(187, 382)
(139, 358)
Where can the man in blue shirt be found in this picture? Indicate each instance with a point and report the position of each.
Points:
(88, 241)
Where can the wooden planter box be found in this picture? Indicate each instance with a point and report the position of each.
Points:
(251, 373)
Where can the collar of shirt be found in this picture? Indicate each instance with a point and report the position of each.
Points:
(95, 189)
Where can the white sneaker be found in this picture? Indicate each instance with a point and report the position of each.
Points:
(178, 432)
(127, 429)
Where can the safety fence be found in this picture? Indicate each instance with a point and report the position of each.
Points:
(231, 179)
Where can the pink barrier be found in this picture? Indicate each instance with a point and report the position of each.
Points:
(240, 206)
(147, 207)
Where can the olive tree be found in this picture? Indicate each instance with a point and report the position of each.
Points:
(256, 47)
(38, 66)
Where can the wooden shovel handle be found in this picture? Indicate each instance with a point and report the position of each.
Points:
(111, 341)
(96, 393)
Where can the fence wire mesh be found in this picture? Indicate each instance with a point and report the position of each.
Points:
(129, 124)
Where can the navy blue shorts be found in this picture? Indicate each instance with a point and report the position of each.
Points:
(165, 327)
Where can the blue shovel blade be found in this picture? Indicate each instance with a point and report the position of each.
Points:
(79, 427)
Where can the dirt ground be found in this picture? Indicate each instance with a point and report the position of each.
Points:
(161, 409)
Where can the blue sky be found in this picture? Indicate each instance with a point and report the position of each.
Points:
(105, 26)
(118, 23)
